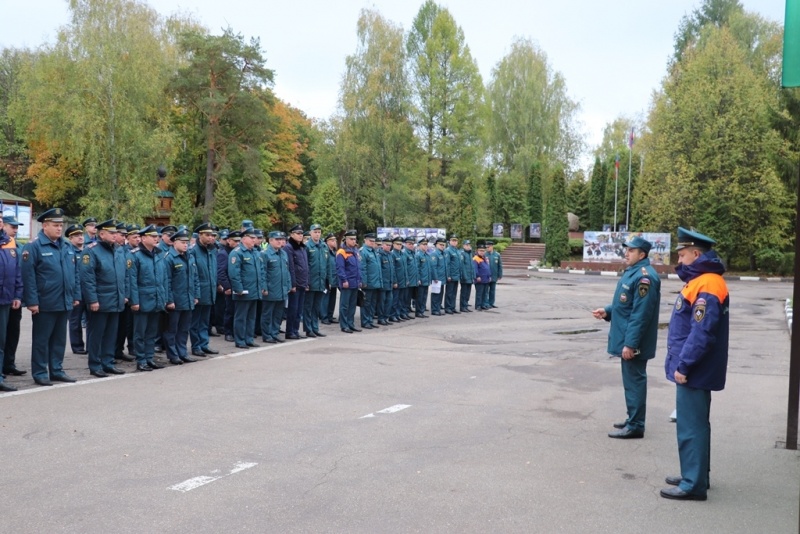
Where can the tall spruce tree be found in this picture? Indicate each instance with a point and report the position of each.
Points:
(534, 194)
(183, 211)
(328, 206)
(467, 215)
(597, 195)
(556, 230)
(226, 213)
(491, 191)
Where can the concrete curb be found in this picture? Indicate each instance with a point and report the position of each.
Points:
(789, 313)
(668, 276)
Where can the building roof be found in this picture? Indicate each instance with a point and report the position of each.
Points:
(4, 196)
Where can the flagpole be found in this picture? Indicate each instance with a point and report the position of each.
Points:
(616, 188)
(630, 159)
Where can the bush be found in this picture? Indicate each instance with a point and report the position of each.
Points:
(500, 243)
(775, 262)
(576, 247)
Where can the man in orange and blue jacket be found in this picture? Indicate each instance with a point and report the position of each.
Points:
(697, 358)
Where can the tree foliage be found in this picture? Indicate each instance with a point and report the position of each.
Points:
(534, 193)
(183, 208)
(578, 198)
(328, 207)
(466, 221)
(226, 212)
(597, 191)
(556, 224)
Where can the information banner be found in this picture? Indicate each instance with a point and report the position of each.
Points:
(607, 246)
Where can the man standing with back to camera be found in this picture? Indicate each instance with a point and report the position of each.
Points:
(697, 359)
(634, 332)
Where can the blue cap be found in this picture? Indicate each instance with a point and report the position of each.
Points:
(250, 231)
(297, 228)
(10, 219)
(133, 228)
(181, 235)
(351, 233)
(70, 231)
(276, 234)
(150, 230)
(690, 238)
(247, 223)
(205, 228)
(236, 234)
(89, 220)
(109, 225)
(639, 242)
(169, 230)
(315, 227)
(52, 215)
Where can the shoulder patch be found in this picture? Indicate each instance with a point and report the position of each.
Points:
(644, 289)
(13, 252)
(699, 312)
(86, 259)
(25, 255)
(233, 260)
(92, 244)
(679, 303)
(129, 263)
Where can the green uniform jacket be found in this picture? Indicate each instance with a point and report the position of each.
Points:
(634, 311)
(467, 268)
(400, 268)
(412, 273)
(318, 265)
(496, 264)
(244, 273)
(452, 262)
(370, 266)
(424, 268)
(388, 278)
(438, 267)
(276, 274)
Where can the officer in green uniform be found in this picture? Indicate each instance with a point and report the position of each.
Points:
(424, 273)
(438, 274)
(400, 271)
(183, 293)
(205, 257)
(104, 282)
(147, 297)
(371, 280)
(452, 261)
(467, 275)
(246, 286)
(634, 331)
(388, 282)
(50, 291)
(318, 276)
(412, 276)
(277, 284)
(496, 265)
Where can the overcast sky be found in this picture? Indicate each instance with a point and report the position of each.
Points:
(612, 53)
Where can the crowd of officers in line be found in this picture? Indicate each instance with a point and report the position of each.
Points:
(159, 288)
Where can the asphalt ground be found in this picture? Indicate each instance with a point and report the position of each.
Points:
(482, 422)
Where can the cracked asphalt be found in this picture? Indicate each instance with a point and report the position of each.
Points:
(505, 432)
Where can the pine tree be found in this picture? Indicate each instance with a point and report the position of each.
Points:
(467, 216)
(535, 193)
(226, 213)
(491, 189)
(596, 196)
(328, 207)
(183, 208)
(609, 197)
(556, 230)
(578, 198)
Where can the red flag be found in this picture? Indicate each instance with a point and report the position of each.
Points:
(630, 139)
(616, 162)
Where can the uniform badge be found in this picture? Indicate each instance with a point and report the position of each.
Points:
(623, 297)
(679, 303)
(233, 260)
(699, 312)
(130, 262)
(86, 259)
(644, 287)
(25, 255)
(13, 252)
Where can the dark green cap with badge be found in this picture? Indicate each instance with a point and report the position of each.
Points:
(639, 242)
(181, 235)
(73, 229)
(690, 238)
(150, 230)
(109, 225)
(55, 215)
(277, 234)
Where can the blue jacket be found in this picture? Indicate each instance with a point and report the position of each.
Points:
(634, 311)
(276, 277)
(244, 272)
(482, 269)
(412, 272)
(49, 278)
(467, 269)
(496, 263)
(452, 261)
(184, 284)
(347, 268)
(438, 267)
(423, 268)
(222, 268)
(298, 262)
(10, 271)
(318, 265)
(104, 276)
(206, 260)
(697, 342)
(400, 269)
(333, 279)
(370, 268)
(148, 281)
(388, 278)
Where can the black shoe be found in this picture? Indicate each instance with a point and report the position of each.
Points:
(279, 340)
(113, 371)
(124, 358)
(347, 331)
(422, 316)
(270, 341)
(319, 334)
(311, 334)
(62, 378)
(356, 329)
(392, 320)
(674, 481)
(492, 306)
(383, 323)
(437, 313)
(626, 433)
(281, 331)
(98, 374)
(410, 317)
(326, 322)
(367, 326)
(680, 495)
(291, 336)
(206, 350)
(229, 338)
(188, 359)
(448, 312)
(176, 362)
(212, 334)
(335, 320)
(14, 372)
(154, 365)
(143, 367)
(238, 346)
(5, 387)
(158, 349)
(253, 345)
(198, 352)
(620, 425)
(456, 312)
(80, 351)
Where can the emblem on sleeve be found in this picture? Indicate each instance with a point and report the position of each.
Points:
(86, 259)
(25, 256)
(130, 262)
(623, 297)
(644, 289)
(233, 260)
(699, 313)
(679, 303)
(13, 252)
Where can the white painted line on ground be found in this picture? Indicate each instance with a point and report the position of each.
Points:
(256, 349)
(59, 385)
(608, 273)
(390, 409)
(196, 482)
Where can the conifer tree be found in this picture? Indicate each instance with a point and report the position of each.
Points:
(556, 229)
(226, 213)
(596, 196)
(183, 208)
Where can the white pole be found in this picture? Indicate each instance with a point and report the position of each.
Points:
(628, 209)
(616, 188)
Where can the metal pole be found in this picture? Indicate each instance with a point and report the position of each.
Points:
(794, 358)
(628, 209)
(616, 187)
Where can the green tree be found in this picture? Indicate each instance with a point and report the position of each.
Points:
(613, 191)
(712, 153)
(578, 198)
(491, 193)
(226, 213)
(534, 194)
(13, 159)
(556, 224)
(466, 220)
(511, 206)
(225, 85)
(597, 195)
(328, 208)
(183, 211)
(449, 108)
(716, 13)
(92, 108)
(532, 117)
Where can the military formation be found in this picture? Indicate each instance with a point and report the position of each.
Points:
(167, 289)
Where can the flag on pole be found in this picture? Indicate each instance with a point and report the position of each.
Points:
(791, 45)
(616, 162)
(630, 139)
